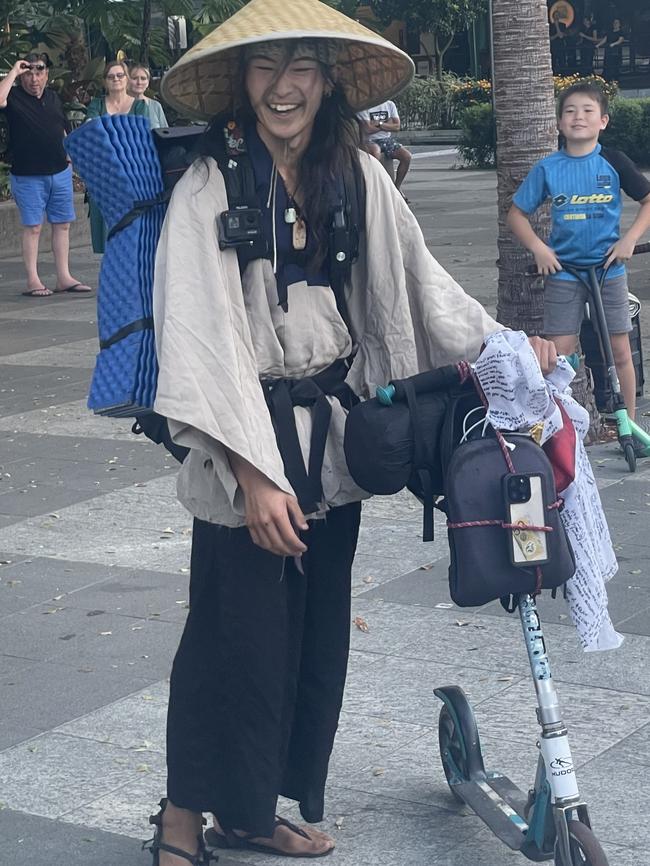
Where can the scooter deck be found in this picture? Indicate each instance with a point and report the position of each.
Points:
(500, 803)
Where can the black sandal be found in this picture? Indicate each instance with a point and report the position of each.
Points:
(229, 839)
(203, 857)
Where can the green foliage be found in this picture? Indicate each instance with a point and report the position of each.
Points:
(427, 103)
(629, 129)
(442, 18)
(468, 92)
(212, 13)
(561, 82)
(477, 143)
(445, 17)
(5, 182)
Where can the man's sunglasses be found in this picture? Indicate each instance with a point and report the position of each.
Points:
(34, 67)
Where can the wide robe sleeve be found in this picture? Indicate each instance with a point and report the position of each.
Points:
(208, 384)
(406, 312)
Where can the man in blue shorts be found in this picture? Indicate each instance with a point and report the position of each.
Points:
(41, 177)
(583, 182)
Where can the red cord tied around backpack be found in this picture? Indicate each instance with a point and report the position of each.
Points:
(468, 524)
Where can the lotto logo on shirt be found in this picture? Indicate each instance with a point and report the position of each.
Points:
(594, 198)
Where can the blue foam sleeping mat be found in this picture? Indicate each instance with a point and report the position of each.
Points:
(117, 160)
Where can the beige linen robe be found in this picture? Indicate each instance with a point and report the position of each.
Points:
(217, 334)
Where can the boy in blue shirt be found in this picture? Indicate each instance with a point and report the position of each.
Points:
(584, 180)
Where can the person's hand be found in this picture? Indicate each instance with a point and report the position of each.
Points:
(19, 67)
(273, 517)
(546, 260)
(621, 251)
(546, 353)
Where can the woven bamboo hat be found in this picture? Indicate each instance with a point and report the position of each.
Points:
(369, 68)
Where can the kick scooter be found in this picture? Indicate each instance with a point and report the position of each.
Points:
(628, 431)
(551, 822)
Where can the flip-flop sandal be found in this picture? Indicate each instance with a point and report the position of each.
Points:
(228, 839)
(81, 288)
(43, 292)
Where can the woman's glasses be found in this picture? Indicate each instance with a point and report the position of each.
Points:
(117, 76)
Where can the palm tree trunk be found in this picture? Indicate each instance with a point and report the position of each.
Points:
(526, 131)
(146, 29)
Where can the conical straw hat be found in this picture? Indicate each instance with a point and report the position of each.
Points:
(369, 68)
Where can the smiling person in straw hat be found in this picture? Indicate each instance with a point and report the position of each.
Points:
(257, 370)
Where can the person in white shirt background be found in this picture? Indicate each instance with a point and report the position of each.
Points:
(379, 123)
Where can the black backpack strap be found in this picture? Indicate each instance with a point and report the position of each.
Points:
(348, 223)
(420, 460)
(155, 427)
(224, 142)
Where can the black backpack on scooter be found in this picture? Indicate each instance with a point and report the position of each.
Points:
(439, 445)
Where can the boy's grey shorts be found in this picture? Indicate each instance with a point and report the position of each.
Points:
(564, 306)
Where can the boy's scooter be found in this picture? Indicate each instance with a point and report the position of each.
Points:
(628, 431)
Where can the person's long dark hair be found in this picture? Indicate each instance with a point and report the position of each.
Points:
(332, 153)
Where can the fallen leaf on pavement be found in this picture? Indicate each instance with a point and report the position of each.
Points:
(368, 578)
(361, 624)
(378, 771)
(339, 822)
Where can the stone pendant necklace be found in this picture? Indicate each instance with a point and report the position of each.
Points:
(298, 225)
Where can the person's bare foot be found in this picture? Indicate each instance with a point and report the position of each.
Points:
(288, 839)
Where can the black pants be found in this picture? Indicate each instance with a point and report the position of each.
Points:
(612, 69)
(257, 682)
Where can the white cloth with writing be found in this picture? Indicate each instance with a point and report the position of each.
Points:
(519, 397)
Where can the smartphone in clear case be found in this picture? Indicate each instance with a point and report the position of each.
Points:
(525, 507)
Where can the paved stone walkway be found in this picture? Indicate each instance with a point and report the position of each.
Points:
(94, 552)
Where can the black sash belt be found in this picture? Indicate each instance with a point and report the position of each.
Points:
(281, 396)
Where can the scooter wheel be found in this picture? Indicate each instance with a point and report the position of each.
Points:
(452, 753)
(586, 850)
(630, 456)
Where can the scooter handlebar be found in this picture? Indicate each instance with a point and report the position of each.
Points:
(433, 380)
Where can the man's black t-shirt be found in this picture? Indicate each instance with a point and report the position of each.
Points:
(36, 131)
